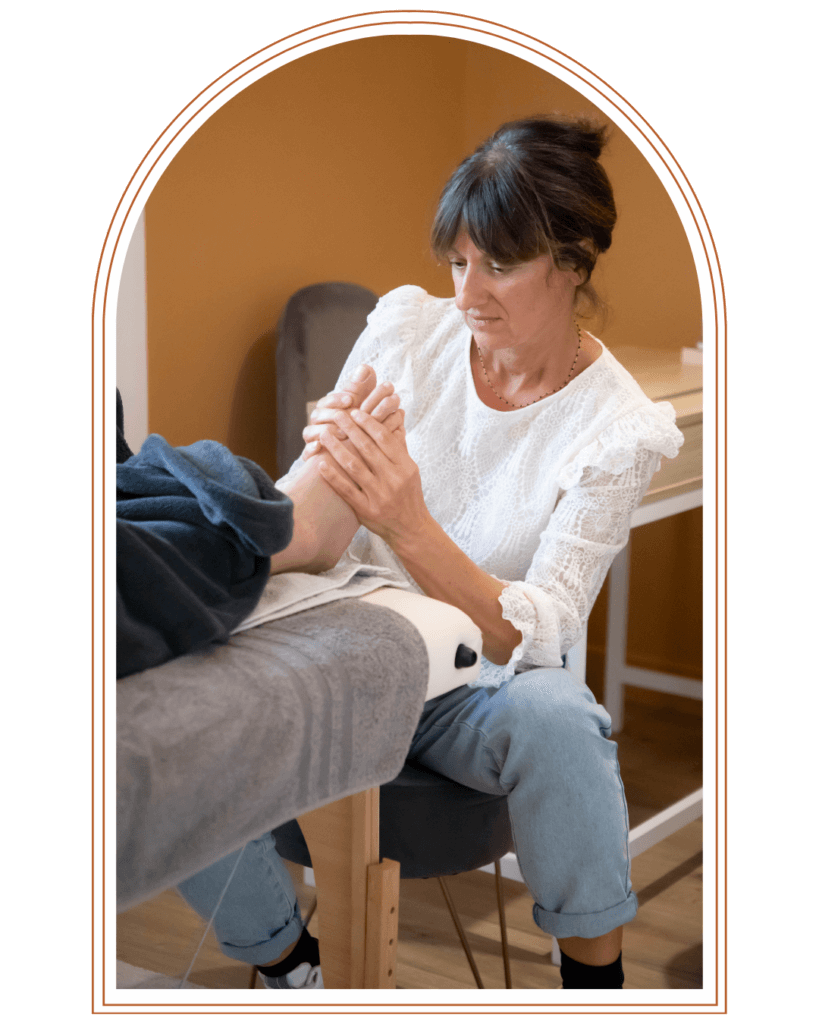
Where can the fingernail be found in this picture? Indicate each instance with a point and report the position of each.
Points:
(360, 374)
(357, 415)
(345, 400)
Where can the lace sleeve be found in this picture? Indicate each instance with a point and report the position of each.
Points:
(588, 527)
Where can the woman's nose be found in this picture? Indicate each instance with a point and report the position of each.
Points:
(469, 292)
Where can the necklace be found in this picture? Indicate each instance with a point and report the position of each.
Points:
(546, 393)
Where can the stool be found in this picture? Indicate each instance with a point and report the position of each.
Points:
(433, 827)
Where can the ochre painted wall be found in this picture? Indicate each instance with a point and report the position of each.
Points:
(329, 169)
(648, 275)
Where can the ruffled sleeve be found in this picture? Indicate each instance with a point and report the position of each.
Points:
(615, 449)
(600, 487)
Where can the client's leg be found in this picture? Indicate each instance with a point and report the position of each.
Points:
(256, 917)
(596, 952)
(323, 523)
(542, 739)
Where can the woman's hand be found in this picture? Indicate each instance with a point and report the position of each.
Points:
(377, 479)
(360, 391)
(374, 473)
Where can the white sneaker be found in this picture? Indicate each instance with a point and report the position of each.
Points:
(303, 976)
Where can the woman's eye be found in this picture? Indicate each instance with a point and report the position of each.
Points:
(494, 268)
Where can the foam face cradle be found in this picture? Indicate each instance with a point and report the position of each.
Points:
(452, 639)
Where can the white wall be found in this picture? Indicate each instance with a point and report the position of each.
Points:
(132, 340)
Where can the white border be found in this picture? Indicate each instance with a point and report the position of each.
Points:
(614, 108)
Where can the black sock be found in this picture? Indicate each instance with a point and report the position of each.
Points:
(305, 951)
(577, 975)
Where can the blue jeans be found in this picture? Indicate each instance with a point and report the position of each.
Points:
(541, 739)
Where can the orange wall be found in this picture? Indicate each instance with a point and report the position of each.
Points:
(648, 275)
(329, 169)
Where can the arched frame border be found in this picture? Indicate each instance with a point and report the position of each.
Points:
(109, 270)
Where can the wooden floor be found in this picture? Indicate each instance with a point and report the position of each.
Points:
(660, 752)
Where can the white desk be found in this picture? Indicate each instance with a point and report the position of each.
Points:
(675, 488)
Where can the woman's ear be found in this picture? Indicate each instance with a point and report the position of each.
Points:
(580, 272)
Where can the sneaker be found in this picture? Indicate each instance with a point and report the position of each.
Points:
(303, 976)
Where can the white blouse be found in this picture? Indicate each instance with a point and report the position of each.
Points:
(540, 497)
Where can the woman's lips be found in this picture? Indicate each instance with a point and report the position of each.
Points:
(478, 321)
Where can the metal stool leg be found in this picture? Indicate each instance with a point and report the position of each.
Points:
(507, 970)
(461, 933)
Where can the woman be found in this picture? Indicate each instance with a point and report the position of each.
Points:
(507, 491)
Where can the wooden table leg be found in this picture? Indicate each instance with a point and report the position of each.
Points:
(357, 895)
(383, 882)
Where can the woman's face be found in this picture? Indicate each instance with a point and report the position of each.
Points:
(519, 305)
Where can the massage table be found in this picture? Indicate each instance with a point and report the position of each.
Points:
(303, 717)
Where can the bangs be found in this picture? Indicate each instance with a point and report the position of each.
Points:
(495, 216)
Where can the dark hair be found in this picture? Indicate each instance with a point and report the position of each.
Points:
(535, 187)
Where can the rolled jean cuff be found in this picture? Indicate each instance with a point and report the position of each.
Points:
(271, 949)
(585, 926)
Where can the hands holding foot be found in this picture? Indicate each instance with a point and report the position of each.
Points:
(361, 391)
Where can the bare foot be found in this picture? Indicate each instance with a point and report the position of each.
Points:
(361, 391)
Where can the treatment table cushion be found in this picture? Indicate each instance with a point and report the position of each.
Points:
(216, 747)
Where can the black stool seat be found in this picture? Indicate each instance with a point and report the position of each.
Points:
(431, 825)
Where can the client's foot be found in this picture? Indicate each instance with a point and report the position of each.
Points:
(359, 386)
(298, 969)
(303, 976)
(361, 391)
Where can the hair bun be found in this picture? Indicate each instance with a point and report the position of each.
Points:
(536, 186)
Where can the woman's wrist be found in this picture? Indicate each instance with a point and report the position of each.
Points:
(443, 571)
(412, 542)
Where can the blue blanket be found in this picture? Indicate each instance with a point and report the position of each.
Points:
(195, 530)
